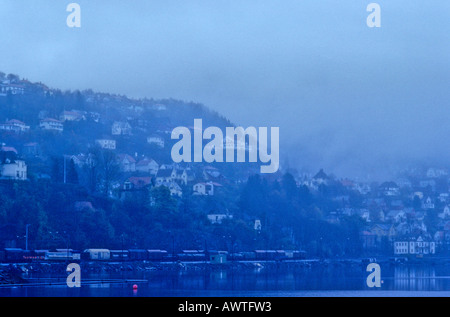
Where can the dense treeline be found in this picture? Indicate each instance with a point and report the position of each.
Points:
(290, 219)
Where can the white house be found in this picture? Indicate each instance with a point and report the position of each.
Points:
(428, 204)
(71, 116)
(121, 128)
(218, 218)
(106, 144)
(415, 246)
(14, 89)
(147, 166)
(16, 170)
(180, 176)
(205, 189)
(175, 189)
(157, 140)
(51, 125)
(15, 126)
(445, 213)
(10, 166)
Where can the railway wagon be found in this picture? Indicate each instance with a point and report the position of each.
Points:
(14, 255)
(157, 255)
(62, 256)
(192, 255)
(96, 254)
(119, 255)
(137, 255)
(267, 255)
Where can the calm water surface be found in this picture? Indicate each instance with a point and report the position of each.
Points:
(316, 281)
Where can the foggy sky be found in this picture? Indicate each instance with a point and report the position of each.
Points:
(347, 98)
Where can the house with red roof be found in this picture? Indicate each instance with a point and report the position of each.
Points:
(15, 126)
(147, 166)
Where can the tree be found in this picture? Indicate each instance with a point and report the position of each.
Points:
(72, 175)
(289, 186)
(57, 174)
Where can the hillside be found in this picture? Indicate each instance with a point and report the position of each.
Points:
(93, 170)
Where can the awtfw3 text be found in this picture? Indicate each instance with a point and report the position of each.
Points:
(225, 307)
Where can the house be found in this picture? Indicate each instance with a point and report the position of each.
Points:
(445, 213)
(156, 140)
(159, 107)
(121, 128)
(320, 178)
(14, 89)
(444, 197)
(218, 218)
(174, 188)
(83, 160)
(396, 216)
(163, 176)
(71, 116)
(435, 173)
(137, 183)
(364, 214)
(31, 149)
(49, 124)
(126, 163)
(428, 204)
(147, 166)
(390, 189)
(419, 246)
(205, 189)
(180, 176)
(15, 126)
(384, 231)
(10, 166)
(431, 183)
(211, 173)
(84, 206)
(106, 144)
(404, 183)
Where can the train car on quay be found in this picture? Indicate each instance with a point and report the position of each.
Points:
(192, 256)
(157, 255)
(16, 255)
(119, 255)
(137, 255)
(62, 255)
(96, 255)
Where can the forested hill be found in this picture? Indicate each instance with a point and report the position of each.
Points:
(94, 170)
(32, 102)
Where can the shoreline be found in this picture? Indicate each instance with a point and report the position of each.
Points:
(14, 271)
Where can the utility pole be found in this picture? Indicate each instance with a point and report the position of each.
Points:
(65, 176)
(26, 237)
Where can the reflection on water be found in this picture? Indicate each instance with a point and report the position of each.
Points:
(328, 281)
(420, 279)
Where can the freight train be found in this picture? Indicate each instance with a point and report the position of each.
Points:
(15, 255)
